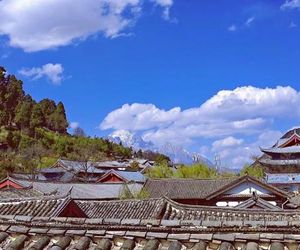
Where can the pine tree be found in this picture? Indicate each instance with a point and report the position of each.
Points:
(58, 119)
(23, 113)
(48, 107)
(37, 117)
(3, 84)
(13, 96)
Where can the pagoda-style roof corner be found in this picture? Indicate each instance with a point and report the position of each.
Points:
(280, 150)
(294, 139)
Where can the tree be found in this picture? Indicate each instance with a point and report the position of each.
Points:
(48, 107)
(3, 117)
(125, 193)
(58, 119)
(23, 113)
(85, 151)
(196, 171)
(14, 94)
(12, 140)
(161, 159)
(3, 83)
(2, 74)
(160, 171)
(134, 166)
(134, 193)
(253, 170)
(37, 118)
(31, 157)
(7, 163)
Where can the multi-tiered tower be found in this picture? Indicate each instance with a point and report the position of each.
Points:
(282, 161)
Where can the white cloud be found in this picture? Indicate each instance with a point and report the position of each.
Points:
(232, 28)
(45, 24)
(249, 21)
(291, 4)
(51, 71)
(250, 102)
(225, 117)
(246, 24)
(229, 141)
(242, 110)
(74, 125)
(139, 117)
(166, 5)
(31, 26)
(243, 152)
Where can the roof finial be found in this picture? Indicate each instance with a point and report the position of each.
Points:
(254, 196)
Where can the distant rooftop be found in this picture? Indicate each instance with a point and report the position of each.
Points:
(97, 191)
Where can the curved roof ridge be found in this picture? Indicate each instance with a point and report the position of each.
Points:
(182, 206)
(42, 198)
(62, 182)
(119, 201)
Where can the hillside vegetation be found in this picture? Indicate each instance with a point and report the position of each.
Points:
(34, 134)
(200, 171)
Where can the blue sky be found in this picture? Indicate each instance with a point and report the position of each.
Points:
(173, 55)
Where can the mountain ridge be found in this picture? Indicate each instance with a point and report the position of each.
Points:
(177, 154)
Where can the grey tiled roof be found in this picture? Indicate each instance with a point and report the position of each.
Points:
(129, 176)
(138, 210)
(52, 170)
(19, 193)
(166, 209)
(110, 164)
(279, 162)
(81, 234)
(64, 176)
(259, 203)
(95, 191)
(177, 211)
(184, 224)
(124, 209)
(45, 206)
(185, 188)
(201, 188)
(102, 165)
(77, 166)
(285, 150)
(132, 176)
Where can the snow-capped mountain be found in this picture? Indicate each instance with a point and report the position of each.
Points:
(129, 139)
(176, 153)
(180, 155)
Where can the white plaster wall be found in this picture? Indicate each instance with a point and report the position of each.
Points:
(248, 188)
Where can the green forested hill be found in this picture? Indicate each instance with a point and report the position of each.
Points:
(18, 110)
(34, 134)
